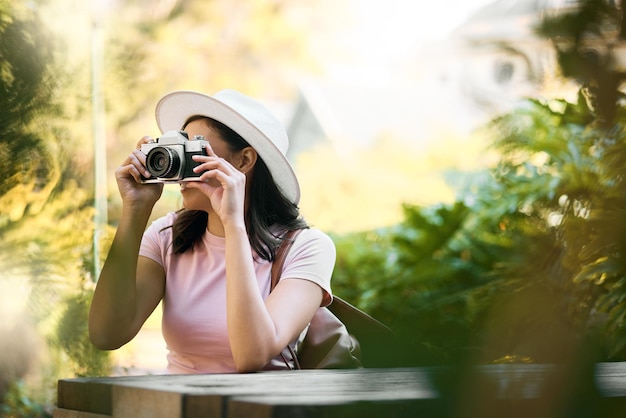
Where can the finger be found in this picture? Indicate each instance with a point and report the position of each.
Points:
(145, 140)
(136, 174)
(206, 166)
(129, 170)
(209, 150)
(207, 163)
(226, 179)
(205, 158)
(138, 159)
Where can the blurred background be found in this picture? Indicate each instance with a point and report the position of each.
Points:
(463, 154)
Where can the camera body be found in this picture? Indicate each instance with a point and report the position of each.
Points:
(169, 159)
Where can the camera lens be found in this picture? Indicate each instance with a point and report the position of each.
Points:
(162, 162)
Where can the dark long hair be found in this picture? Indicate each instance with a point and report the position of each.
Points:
(267, 207)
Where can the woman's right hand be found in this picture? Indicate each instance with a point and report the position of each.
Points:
(131, 173)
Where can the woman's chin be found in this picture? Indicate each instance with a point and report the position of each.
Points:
(194, 199)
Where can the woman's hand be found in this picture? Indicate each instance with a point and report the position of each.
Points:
(223, 184)
(130, 175)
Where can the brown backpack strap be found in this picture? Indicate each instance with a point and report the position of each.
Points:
(281, 255)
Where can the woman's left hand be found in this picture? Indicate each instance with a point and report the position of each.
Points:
(223, 184)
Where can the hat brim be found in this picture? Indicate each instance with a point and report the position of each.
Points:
(175, 108)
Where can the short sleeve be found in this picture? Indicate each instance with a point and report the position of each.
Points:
(156, 239)
(312, 257)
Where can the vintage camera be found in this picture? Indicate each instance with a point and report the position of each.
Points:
(169, 158)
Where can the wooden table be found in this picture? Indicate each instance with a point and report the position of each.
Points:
(488, 391)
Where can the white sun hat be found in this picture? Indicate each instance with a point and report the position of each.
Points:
(244, 115)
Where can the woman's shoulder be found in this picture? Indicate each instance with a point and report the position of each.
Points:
(313, 233)
(314, 236)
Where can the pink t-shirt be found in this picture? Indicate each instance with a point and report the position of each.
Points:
(194, 305)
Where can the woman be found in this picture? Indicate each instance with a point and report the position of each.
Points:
(210, 262)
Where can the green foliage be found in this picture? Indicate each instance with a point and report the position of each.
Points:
(418, 278)
(45, 213)
(585, 40)
(18, 404)
(27, 158)
(594, 227)
(73, 337)
(550, 168)
(531, 268)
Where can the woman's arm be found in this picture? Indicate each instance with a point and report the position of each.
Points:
(128, 290)
(259, 330)
(129, 287)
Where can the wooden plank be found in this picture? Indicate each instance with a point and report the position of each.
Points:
(391, 381)
(207, 395)
(135, 402)
(328, 392)
(86, 395)
(174, 391)
(288, 394)
(93, 394)
(203, 405)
